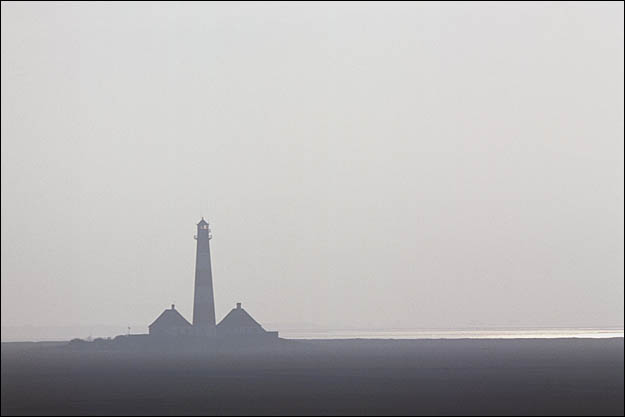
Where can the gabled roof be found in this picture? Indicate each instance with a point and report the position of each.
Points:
(202, 222)
(170, 318)
(238, 318)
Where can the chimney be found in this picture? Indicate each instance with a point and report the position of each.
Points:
(238, 306)
(173, 306)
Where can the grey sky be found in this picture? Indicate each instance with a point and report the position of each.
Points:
(365, 166)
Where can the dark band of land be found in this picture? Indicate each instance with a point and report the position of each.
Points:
(349, 377)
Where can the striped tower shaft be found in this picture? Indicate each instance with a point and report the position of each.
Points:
(204, 301)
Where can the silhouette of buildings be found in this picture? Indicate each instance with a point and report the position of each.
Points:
(237, 324)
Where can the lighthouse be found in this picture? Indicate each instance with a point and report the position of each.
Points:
(237, 325)
(204, 300)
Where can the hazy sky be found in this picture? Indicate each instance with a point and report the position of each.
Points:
(431, 165)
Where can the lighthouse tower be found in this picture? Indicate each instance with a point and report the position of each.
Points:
(204, 301)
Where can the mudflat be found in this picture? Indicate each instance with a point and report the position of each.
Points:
(334, 377)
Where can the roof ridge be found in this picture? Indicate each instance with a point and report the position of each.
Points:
(238, 317)
(169, 315)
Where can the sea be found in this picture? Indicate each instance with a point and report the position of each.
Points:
(43, 334)
(453, 334)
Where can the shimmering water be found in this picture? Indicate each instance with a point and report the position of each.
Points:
(453, 334)
(35, 334)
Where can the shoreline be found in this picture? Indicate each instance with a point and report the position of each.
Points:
(365, 339)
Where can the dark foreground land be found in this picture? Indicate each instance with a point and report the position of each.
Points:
(510, 377)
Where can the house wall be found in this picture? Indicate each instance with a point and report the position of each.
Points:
(170, 331)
